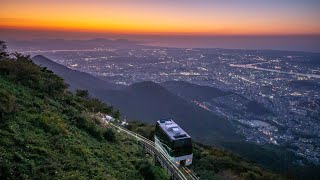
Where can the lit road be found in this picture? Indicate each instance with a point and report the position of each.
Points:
(251, 66)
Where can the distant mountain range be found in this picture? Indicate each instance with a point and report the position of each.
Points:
(59, 44)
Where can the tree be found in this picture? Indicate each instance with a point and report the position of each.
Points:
(116, 114)
(21, 57)
(109, 135)
(22, 70)
(3, 52)
(82, 93)
(53, 84)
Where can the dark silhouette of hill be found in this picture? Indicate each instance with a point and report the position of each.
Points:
(148, 101)
(257, 108)
(193, 91)
(304, 84)
(76, 79)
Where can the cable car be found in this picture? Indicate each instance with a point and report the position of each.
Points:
(174, 142)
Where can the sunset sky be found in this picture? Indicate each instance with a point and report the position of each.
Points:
(195, 17)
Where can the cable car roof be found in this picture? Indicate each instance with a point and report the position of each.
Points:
(172, 129)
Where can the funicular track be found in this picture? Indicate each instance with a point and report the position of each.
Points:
(179, 173)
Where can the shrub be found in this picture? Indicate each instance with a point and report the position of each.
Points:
(148, 171)
(116, 114)
(109, 135)
(89, 126)
(7, 102)
(95, 105)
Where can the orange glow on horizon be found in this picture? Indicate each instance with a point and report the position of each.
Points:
(112, 17)
(132, 32)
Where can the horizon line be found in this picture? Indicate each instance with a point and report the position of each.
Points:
(145, 33)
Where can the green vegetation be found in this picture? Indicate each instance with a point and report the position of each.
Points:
(46, 132)
(141, 128)
(214, 163)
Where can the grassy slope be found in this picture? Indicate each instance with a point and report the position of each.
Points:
(53, 138)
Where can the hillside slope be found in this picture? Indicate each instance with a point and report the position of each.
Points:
(47, 132)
